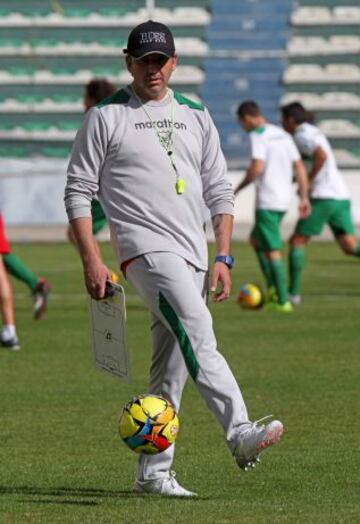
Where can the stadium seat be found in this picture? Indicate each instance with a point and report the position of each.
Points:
(312, 45)
(311, 16)
(339, 129)
(344, 72)
(76, 12)
(346, 159)
(303, 73)
(339, 15)
(115, 11)
(344, 44)
(13, 152)
(56, 152)
(339, 100)
(12, 19)
(314, 73)
(346, 15)
(315, 45)
(332, 101)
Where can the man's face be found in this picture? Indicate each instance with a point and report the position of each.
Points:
(248, 122)
(288, 124)
(151, 74)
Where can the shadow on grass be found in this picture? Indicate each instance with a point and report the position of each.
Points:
(63, 492)
(73, 492)
(60, 501)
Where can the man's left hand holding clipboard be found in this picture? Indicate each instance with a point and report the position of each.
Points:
(108, 332)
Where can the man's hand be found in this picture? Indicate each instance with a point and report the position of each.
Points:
(221, 273)
(96, 275)
(304, 208)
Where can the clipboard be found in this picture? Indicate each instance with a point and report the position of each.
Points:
(109, 334)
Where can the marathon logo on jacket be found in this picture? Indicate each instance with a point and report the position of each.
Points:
(160, 124)
(153, 36)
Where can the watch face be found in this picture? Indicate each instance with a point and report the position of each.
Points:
(230, 261)
(226, 259)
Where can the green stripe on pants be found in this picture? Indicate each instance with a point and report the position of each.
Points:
(181, 336)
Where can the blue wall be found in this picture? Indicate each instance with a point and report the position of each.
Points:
(242, 25)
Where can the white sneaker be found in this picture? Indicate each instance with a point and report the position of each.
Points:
(10, 343)
(167, 486)
(254, 439)
(295, 300)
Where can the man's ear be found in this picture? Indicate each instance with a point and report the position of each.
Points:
(128, 60)
(174, 60)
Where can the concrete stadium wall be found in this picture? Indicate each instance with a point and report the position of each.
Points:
(31, 200)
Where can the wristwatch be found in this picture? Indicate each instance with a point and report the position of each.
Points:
(228, 260)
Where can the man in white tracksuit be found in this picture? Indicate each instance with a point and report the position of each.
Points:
(153, 157)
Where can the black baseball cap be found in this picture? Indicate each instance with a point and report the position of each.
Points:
(150, 37)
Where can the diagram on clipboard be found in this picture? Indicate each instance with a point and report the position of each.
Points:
(108, 333)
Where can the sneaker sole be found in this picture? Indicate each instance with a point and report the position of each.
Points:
(139, 490)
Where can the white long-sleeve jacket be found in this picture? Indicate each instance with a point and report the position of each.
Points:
(117, 156)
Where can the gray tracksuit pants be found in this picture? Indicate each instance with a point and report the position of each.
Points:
(183, 343)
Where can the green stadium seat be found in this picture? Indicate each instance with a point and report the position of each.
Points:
(10, 42)
(20, 70)
(5, 11)
(39, 11)
(56, 152)
(35, 126)
(114, 11)
(6, 126)
(112, 43)
(76, 12)
(65, 98)
(29, 98)
(13, 152)
(41, 42)
(68, 126)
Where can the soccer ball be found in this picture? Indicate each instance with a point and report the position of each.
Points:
(148, 424)
(250, 297)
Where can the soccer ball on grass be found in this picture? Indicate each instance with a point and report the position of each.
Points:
(148, 424)
(250, 297)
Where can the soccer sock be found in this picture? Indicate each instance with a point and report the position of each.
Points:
(265, 267)
(296, 265)
(17, 269)
(279, 279)
(357, 250)
(8, 332)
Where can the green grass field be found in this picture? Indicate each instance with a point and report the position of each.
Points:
(61, 457)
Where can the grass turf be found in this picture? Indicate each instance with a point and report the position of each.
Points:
(62, 460)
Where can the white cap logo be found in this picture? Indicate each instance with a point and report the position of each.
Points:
(153, 36)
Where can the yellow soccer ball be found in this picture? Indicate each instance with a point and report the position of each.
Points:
(148, 424)
(250, 297)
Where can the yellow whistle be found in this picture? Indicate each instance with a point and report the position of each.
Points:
(180, 186)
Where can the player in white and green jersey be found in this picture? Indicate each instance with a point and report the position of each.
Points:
(329, 196)
(274, 161)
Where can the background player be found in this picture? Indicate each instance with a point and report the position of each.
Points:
(274, 160)
(329, 195)
(39, 287)
(8, 336)
(95, 91)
